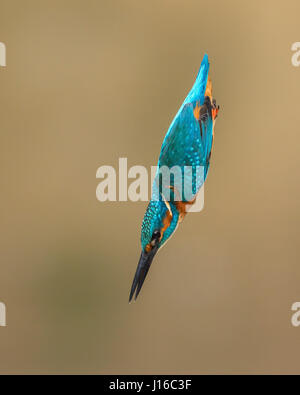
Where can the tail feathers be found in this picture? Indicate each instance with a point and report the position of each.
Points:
(197, 92)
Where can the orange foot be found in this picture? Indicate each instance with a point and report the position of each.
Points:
(215, 110)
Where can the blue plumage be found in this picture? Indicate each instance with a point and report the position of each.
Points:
(187, 149)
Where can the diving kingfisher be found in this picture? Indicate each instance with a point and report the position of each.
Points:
(187, 145)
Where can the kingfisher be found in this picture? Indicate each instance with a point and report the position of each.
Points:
(187, 145)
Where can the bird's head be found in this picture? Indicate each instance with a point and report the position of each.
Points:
(160, 221)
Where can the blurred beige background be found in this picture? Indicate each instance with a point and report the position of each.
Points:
(88, 82)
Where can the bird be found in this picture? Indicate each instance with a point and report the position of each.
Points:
(187, 145)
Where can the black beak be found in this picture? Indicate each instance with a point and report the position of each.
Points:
(141, 271)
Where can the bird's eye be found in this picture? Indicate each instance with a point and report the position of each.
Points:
(156, 234)
(155, 237)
